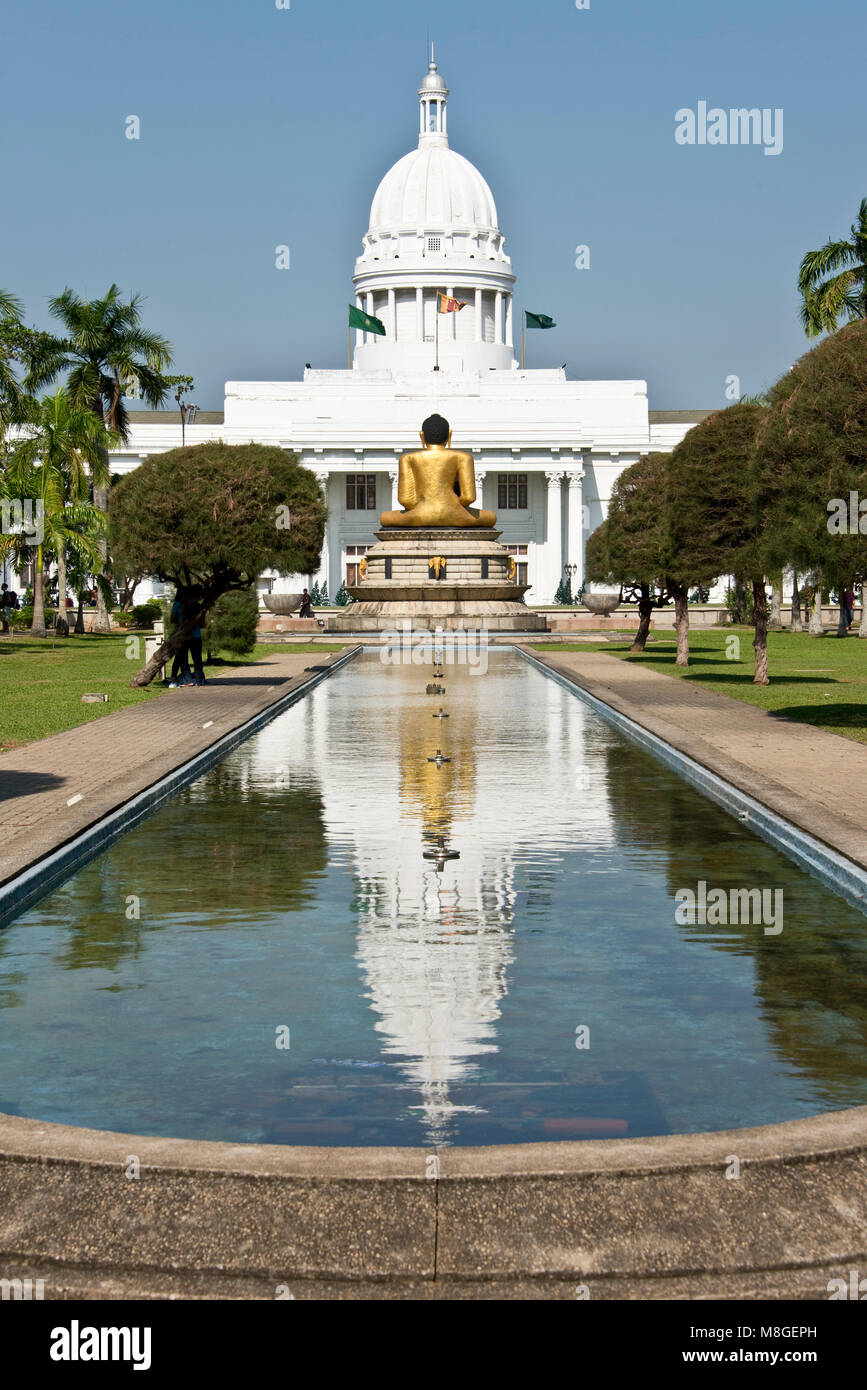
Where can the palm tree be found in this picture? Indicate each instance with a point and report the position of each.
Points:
(66, 441)
(11, 394)
(79, 525)
(833, 281)
(107, 354)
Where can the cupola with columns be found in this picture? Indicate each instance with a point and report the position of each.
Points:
(433, 229)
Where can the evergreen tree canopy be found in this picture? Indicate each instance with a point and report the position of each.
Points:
(812, 452)
(217, 515)
(715, 523)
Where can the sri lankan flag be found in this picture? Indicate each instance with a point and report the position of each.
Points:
(538, 320)
(359, 319)
(449, 306)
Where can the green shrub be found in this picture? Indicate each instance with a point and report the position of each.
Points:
(146, 614)
(230, 626)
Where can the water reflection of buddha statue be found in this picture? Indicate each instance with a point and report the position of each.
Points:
(437, 484)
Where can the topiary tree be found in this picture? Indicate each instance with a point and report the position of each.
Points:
(324, 600)
(811, 465)
(633, 549)
(717, 524)
(342, 598)
(210, 519)
(231, 624)
(314, 594)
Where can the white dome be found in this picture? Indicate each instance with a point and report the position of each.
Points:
(432, 189)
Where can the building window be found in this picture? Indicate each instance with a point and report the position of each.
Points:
(433, 243)
(361, 492)
(520, 554)
(353, 556)
(512, 492)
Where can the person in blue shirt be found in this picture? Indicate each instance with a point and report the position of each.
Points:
(194, 644)
(180, 674)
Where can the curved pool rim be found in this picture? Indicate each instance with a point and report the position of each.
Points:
(649, 1218)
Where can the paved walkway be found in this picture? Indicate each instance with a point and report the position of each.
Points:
(51, 790)
(816, 780)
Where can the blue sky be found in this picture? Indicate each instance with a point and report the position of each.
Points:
(262, 126)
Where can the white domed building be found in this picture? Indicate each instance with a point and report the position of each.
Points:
(547, 450)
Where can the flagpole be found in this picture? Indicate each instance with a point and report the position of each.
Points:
(349, 348)
(523, 330)
(437, 367)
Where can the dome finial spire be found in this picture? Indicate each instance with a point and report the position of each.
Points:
(433, 94)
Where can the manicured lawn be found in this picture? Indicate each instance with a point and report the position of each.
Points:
(814, 680)
(42, 682)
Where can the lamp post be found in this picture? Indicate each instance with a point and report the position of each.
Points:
(570, 571)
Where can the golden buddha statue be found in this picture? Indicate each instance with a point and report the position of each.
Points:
(437, 483)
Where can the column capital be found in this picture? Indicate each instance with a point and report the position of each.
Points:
(575, 476)
(554, 475)
(392, 473)
(481, 474)
(322, 477)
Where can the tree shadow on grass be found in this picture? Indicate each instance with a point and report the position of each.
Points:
(664, 658)
(825, 715)
(745, 678)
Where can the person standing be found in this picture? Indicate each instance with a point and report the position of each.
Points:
(848, 606)
(180, 673)
(8, 600)
(194, 644)
(305, 610)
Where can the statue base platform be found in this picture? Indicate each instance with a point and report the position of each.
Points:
(449, 577)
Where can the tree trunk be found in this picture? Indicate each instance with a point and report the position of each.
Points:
(760, 640)
(61, 624)
(797, 624)
(862, 631)
(842, 628)
(776, 616)
(102, 620)
(172, 644)
(681, 623)
(815, 628)
(37, 627)
(645, 611)
(79, 619)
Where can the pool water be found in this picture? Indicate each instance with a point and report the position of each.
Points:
(270, 958)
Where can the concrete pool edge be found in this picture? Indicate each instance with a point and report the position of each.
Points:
(652, 1218)
(840, 873)
(47, 871)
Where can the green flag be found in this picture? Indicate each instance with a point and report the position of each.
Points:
(538, 320)
(359, 319)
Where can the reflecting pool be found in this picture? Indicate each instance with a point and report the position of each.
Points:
(271, 958)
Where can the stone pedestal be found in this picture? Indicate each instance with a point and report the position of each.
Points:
(449, 577)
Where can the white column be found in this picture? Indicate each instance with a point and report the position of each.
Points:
(370, 337)
(392, 316)
(553, 536)
(392, 474)
(575, 531)
(321, 575)
(419, 313)
(479, 320)
(509, 321)
(498, 318)
(481, 474)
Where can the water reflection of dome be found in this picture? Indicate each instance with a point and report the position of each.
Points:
(435, 949)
